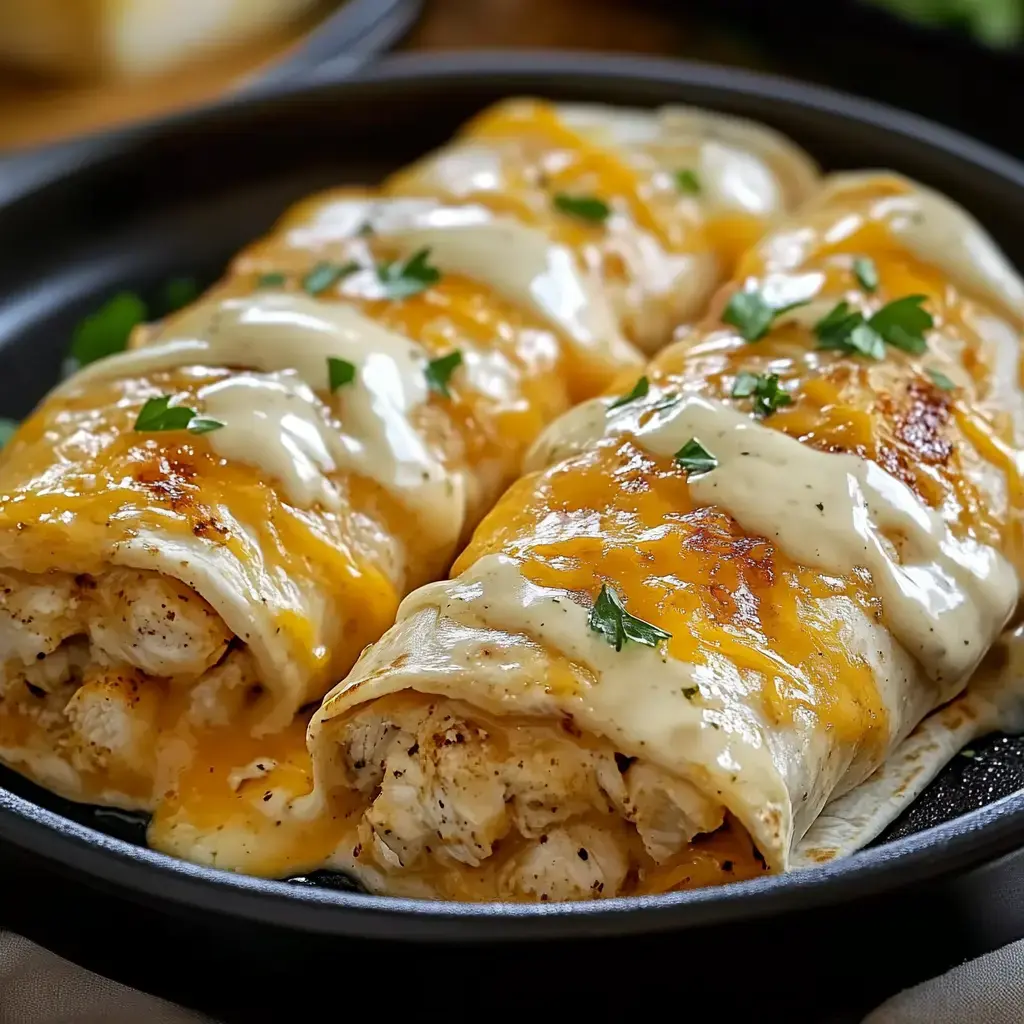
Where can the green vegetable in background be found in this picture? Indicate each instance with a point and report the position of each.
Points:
(995, 22)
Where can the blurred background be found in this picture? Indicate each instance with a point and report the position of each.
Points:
(69, 67)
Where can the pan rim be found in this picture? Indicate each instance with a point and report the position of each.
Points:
(965, 842)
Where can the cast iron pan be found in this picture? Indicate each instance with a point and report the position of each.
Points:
(180, 197)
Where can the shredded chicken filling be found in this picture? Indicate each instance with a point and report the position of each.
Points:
(545, 813)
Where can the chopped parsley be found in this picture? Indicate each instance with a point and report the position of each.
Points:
(639, 390)
(340, 372)
(326, 274)
(688, 182)
(7, 430)
(589, 208)
(866, 272)
(764, 389)
(273, 279)
(107, 330)
(902, 323)
(610, 618)
(158, 414)
(940, 380)
(402, 280)
(753, 315)
(695, 458)
(440, 370)
(846, 330)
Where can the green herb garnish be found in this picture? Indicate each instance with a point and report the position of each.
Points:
(866, 272)
(695, 458)
(688, 182)
(402, 280)
(158, 414)
(7, 430)
(640, 389)
(340, 372)
(585, 207)
(179, 292)
(902, 324)
(326, 274)
(764, 389)
(940, 380)
(752, 315)
(846, 330)
(439, 372)
(274, 279)
(610, 618)
(107, 330)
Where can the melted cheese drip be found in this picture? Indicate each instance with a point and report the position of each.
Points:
(944, 598)
(281, 425)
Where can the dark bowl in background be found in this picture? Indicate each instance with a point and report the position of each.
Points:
(180, 196)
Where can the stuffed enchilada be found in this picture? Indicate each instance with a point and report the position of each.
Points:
(726, 593)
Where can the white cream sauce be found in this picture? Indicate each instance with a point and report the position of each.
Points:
(295, 429)
(944, 598)
(518, 261)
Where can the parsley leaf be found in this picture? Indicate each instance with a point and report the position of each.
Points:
(107, 330)
(340, 372)
(688, 182)
(752, 315)
(764, 389)
(273, 279)
(326, 274)
(940, 380)
(640, 389)
(401, 280)
(7, 430)
(902, 324)
(695, 458)
(609, 617)
(439, 372)
(158, 414)
(847, 331)
(585, 207)
(866, 272)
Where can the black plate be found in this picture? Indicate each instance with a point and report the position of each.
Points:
(182, 195)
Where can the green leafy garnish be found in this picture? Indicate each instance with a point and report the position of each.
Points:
(639, 390)
(753, 315)
(326, 274)
(866, 272)
(273, 279)
(940, 380)
(695, 458)
(179, 292)
(340, 372)
(585, 207)
(439, 372)
(401, 280)
(846, 330)
(688, 182)
(610, 618)
(764, 389)
(158, 414)
(902, 324)
(7, 430)
(107, 330)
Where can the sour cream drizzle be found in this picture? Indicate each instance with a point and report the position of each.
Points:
(283, 418)
(944, 598)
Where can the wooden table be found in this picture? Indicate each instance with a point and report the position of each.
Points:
(34, 111)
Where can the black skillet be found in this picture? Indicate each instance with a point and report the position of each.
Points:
(179, 197)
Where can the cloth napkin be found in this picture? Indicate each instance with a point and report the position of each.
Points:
(38, 987)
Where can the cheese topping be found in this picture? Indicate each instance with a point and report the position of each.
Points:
(279, 424)
(945, 598)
